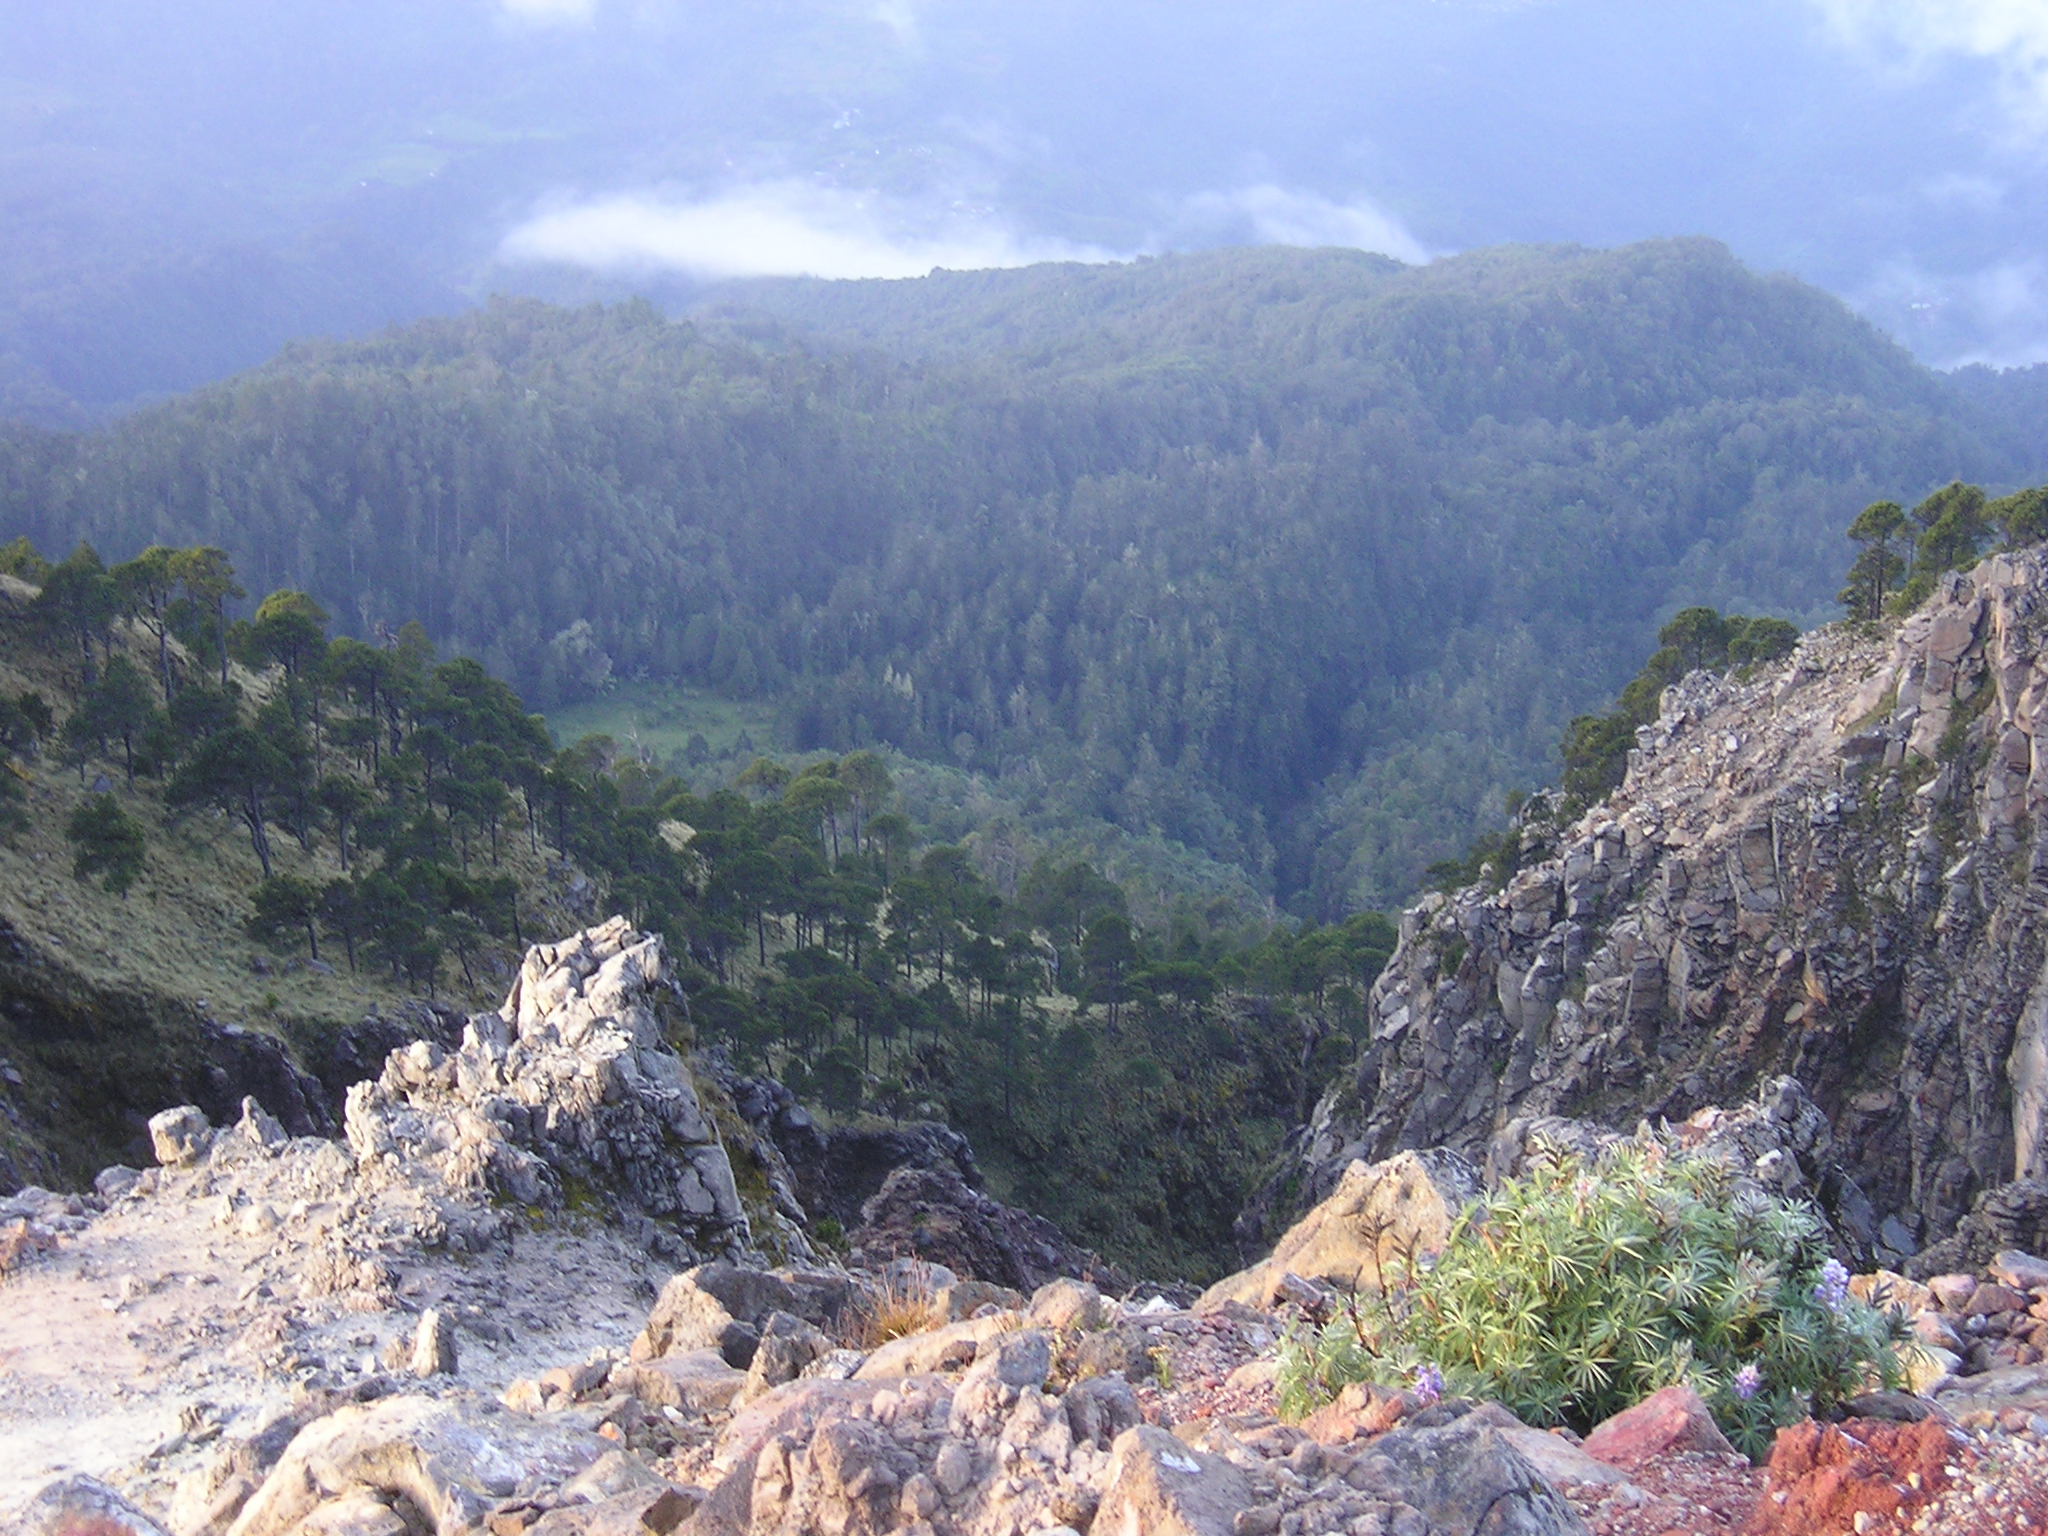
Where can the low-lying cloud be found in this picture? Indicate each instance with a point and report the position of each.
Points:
(2013, 34)
(1996, 314)
(776, 230)
(1274, 215)
(789, 229)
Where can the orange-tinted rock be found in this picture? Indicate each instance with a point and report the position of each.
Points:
(1830, 1473)
(1675, 1419)
(1359, 1410)
(1988, 1299)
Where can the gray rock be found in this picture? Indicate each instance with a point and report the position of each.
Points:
(83, 1506)
(789, 1346)
(572, 1076)
(1467, 1476)
(111, 1184)
(1158, 1486)
(179, 1136)
(2021, 1271)
(1736, 911)
(1100, 1409)
(433, 1345)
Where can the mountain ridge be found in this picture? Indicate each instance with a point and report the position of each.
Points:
(1169, 590)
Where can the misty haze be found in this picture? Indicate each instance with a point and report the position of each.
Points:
(965, 768)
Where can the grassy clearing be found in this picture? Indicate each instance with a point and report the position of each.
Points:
(662, 717)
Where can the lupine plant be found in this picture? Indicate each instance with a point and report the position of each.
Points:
(1576, 1290)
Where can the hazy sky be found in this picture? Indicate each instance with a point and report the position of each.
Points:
(183, 183)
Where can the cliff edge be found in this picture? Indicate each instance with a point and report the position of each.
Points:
(1833, 870)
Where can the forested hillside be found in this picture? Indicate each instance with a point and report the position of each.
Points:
(256, 821)
(1299, 559)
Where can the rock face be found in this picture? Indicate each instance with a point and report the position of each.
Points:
(834, 1172)
(1403, 1207)
(571, 1079)
(931, 1214)
(1834, 871)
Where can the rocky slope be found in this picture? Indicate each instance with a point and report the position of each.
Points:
(1834, 870)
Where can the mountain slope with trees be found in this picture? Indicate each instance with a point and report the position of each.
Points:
(1298, 559)
(244, 819)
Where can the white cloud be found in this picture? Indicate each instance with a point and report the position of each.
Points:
(900, 17)
(782, 229)
(550, 10)
(1272, 215)
(1947, 317)
(2013, 34)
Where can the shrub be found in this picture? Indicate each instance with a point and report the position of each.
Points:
(898, 1306)
(105, 841)
(1574, 1291)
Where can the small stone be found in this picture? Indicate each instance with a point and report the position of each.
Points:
(953, 1469)
(433, 1345)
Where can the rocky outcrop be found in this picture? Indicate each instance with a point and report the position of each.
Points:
(932, 1215)
(1398, 1211)
(571, 1080)
(832, 1171)
(1834, 871)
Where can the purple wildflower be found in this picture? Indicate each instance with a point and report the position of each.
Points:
(1832, 1289)
(1429, 1384)
(1748, 1382)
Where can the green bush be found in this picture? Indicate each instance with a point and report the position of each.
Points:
(1575, 1291)
(106, 841)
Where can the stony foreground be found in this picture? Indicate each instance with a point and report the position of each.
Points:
(524, 1298)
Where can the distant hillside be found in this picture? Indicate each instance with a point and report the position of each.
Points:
(1298, 559)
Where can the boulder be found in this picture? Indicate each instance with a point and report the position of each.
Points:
(849, 1481)
(788, 1347)
(654, 1510)
(932, 1214)
(1405, 1204)
(1100, 1409)
(1072, 1305)
(83, 1506)
(451, 1468)
(796, 1410)
(691, 1381)
(1159, 1486)
(1468, 1476)
(938, 1349)
(572, 1077)
(960, 1301)
(179, 1137)
(1562, 1463)
(1674, 1419)
(1006, 1366)
(2021, 1271)
(116, 1182)
(715, 1306)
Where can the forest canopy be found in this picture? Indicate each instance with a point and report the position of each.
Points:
(1298, 559)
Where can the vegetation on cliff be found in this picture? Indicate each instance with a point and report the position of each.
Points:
(1576, 1290)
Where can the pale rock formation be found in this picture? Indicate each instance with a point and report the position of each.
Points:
(1834, 870)
(572, 1076)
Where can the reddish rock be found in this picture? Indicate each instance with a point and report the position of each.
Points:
(1822, 1476)
(1358, 1411)
(1990, 1299)
(21, 1241)
(1675, 1419)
